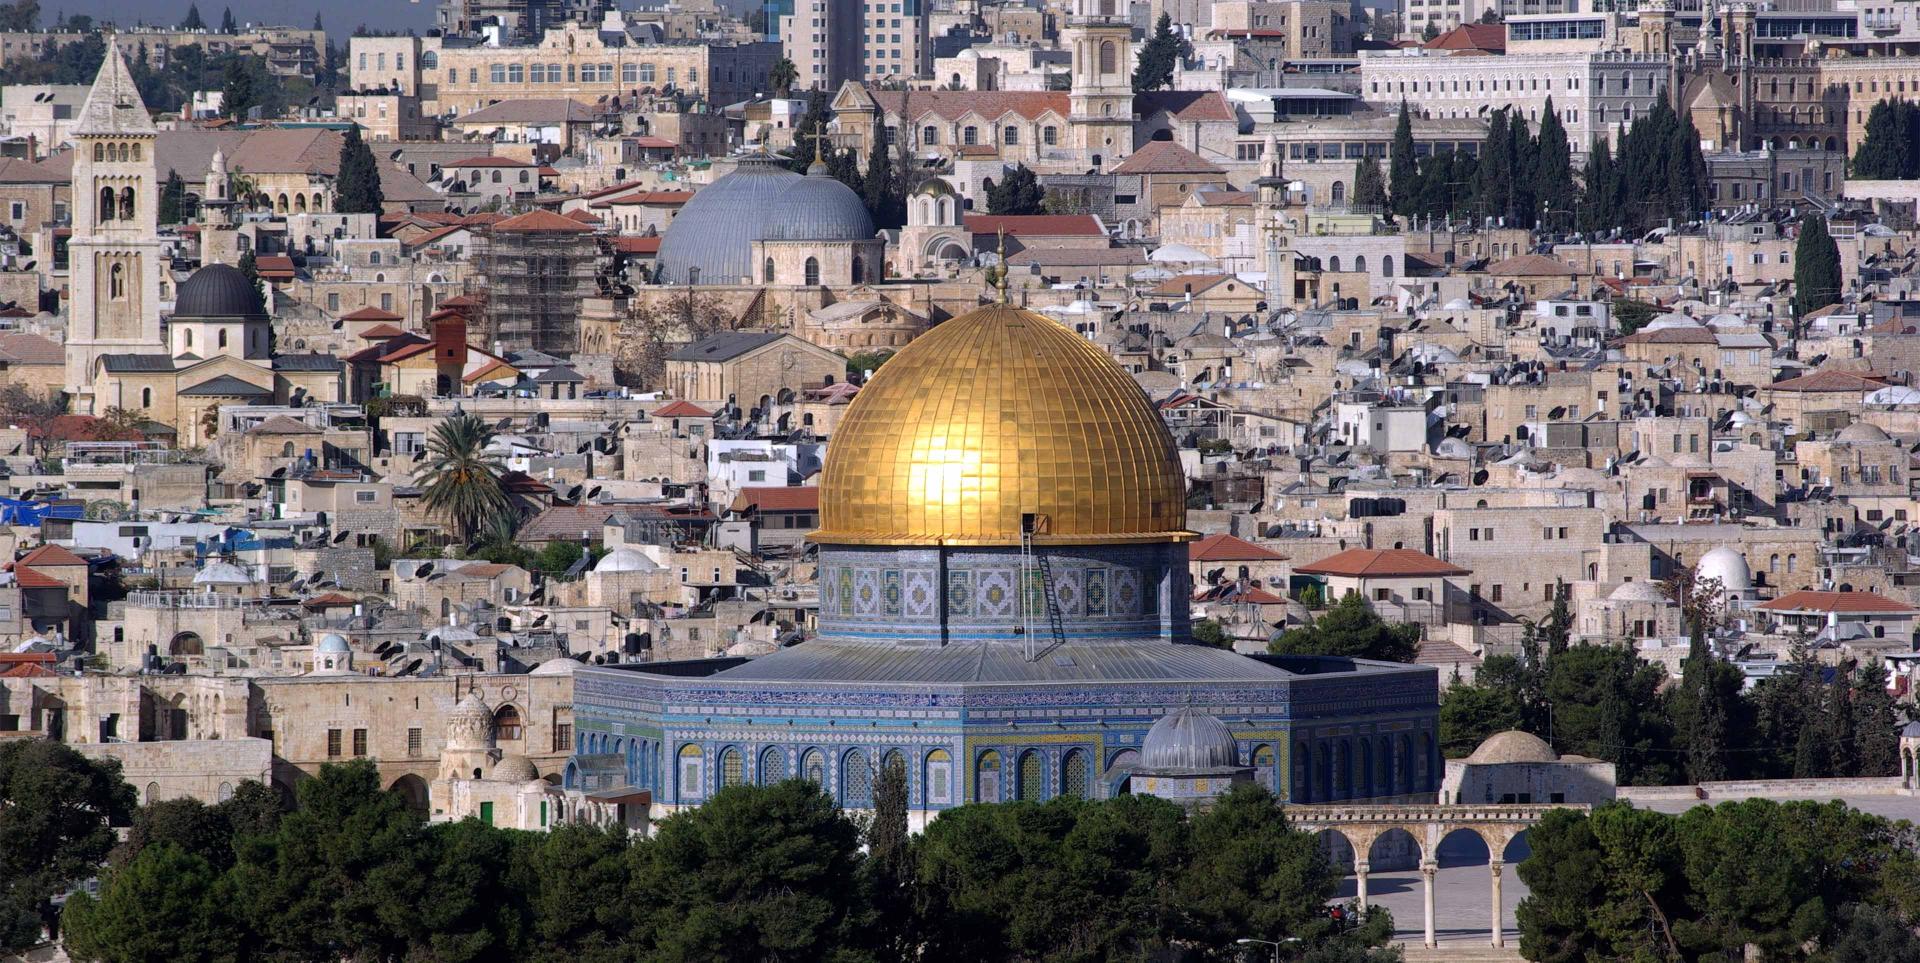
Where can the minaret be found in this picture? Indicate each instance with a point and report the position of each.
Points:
(1270, 217)
(1101, 97)
(114, 305)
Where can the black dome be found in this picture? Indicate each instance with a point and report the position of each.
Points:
(218, 291)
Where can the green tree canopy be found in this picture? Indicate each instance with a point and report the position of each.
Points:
(359, 180)
(1351, 629)
(1816, 267)
(1403, 168)
(1017, 193)
(1158, 57)
(57, 813)
(167, 904)
(461, 476)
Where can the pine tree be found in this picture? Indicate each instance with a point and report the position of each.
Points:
(1706, 730)
(1874, 723)
(1816, 267)
(1018, 193)
(1369, 187)
(240, 92)
(358, 183)
(1403, 169)
(316, 21)
(1495, 187)
(1685, 171)
(1839, 731)
(1553, 171)
(193, 20)
(1521, 210)
(1158, 57)
(227, 26)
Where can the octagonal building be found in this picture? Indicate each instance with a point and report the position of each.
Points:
(1003, 608)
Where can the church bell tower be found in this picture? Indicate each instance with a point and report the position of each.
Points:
(1101, 97)
(115, 254)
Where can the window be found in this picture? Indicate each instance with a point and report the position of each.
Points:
(413, 743)
(506, 723)
(562, 736)
(646, 73)
(812, 271)
(970, 135)
(629, 73)
(366, 497)
(333, 743)
(1049, 136)
(692, 771)
(1496, 593)
(929, 135)
(1382, 595)
(359, 742)
(497, 73)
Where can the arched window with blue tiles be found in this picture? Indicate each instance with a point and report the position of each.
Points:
(856, 780)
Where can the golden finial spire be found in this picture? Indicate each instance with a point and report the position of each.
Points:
(1002, 283)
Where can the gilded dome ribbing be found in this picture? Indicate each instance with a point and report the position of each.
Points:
(991, 416)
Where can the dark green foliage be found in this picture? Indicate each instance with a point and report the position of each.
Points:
(173, 194)
(193, 20)
(359, 180)
(861, 362)
(1017, 193)
(1658, 150)
(1350, 628)
(578, 879)
(1159, 56)
(1369, 185)
(1891, 148)
(20, 15)
(1403, 168)
(461, 477)
(1212, 632)
(57, 808)
(806, 137)
(196, 828)
(1600, 201)
(167, 904)
(1471, 713)
(472, 905)
(754, 873)
(890, 861)
(881, 190)
(1816, 267)
(1873, 935)
(1553, 185)
(227, 26)
(1686, 173)
(240, 89)
(1630, 315)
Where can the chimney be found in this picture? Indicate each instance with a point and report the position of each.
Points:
(450, 339)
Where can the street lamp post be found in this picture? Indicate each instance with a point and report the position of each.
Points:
(1276, 944)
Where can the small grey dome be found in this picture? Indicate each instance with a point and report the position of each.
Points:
(626, 560)
(222, 573)
(1187, 739)
(556, 666)
(218, 291)
(1513, 746)
(1729, 566)
(1639, 592)
(760, 201)
(333, 644)
(1863, 433)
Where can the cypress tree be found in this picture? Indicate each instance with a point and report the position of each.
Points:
(878, 188)
(1596, 199)
(227, 26)
(358, 183)
(1496, 166)
(1403, 169)
(1369, 187)
(239, 93)
(193, 21)
(1521, 210)
(1158, 57)
(1706, 732)
(173, 194)
(1553, 170)
(1686, 171)
(1816, 267)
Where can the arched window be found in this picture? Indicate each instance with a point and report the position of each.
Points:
(226, 791)
(280, 204)
(1109, 57)
(692, 771)
(773, 766)
(766, 271)
(117, 282)
(856, 780)
(1033, 776)
(938, 778)
(1302, 789)
(146, 397)
(986, 778)
(187, 333)
(859, 270)
(733, 769)
(1773, 562)
(99, 153)
(1073, 774)
(506, 723)
(1386, 266)
(812, 271)
(1339, 192)
(153, 794)
(1793, 562)
(1333, 263)
(223, 337)
(106, 204)
(1263, 766)
(136, 153)
(286, 450)
(813, 765)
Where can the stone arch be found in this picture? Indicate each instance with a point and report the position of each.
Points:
(813, 766)
(1518, 846)
(1339, 844)
(1074, 773)
(986, 777)
(1454, 844)
(1032, 776)
(1109, 57)
(187, 643)
(506, 723)
(733, 767)
(413, 789)
(1300, 790)
(1395, 847)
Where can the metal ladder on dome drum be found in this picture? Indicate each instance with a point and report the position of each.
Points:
(1041, 565)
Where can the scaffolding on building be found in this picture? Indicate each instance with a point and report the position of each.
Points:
(534, 272)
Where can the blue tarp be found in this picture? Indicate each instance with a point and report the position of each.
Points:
(13, 511)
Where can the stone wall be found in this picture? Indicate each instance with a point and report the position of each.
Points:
(203, 769)
(1768, 789)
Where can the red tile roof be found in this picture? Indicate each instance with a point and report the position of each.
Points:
(542, 222)
(680, 409)
(381, 332)
(275, 266)
(1807, 600)
(1484, 37)
(488, 161)
(650, 141)
(1832, 381)
(637, 245)
(28, 670)
(1380, 563)
(654, 197)
(29, 578)
(779, 498)
(1228, 548)
(80, 428)
(51, 555)
(331, 600)
(1166, 157)
(1036, 225)
(1530, 265)
(370, 314)
(525, 484)
(989, 104)
(1194, 284)
(1184, 105)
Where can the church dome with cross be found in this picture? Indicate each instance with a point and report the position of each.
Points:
(723, 234)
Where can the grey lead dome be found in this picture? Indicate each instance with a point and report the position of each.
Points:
(760, 201)
(218, 291)
(1187, 740)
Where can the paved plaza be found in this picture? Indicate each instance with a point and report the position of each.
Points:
(1463, 903)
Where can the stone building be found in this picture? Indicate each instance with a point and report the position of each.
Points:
(751, 369)
(1519, 768)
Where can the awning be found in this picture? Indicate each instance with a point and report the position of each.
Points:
(627, 795)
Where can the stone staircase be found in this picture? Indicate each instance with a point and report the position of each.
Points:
(1460, 953)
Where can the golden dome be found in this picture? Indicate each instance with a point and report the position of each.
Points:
(992, 416)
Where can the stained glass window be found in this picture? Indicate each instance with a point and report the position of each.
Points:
(815, 766)
(732, 768)
(773, 767)
(1073, 774)
(856, 780)
(1033, 777)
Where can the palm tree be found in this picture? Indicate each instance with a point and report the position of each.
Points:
(782, 75)
(462, 478)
